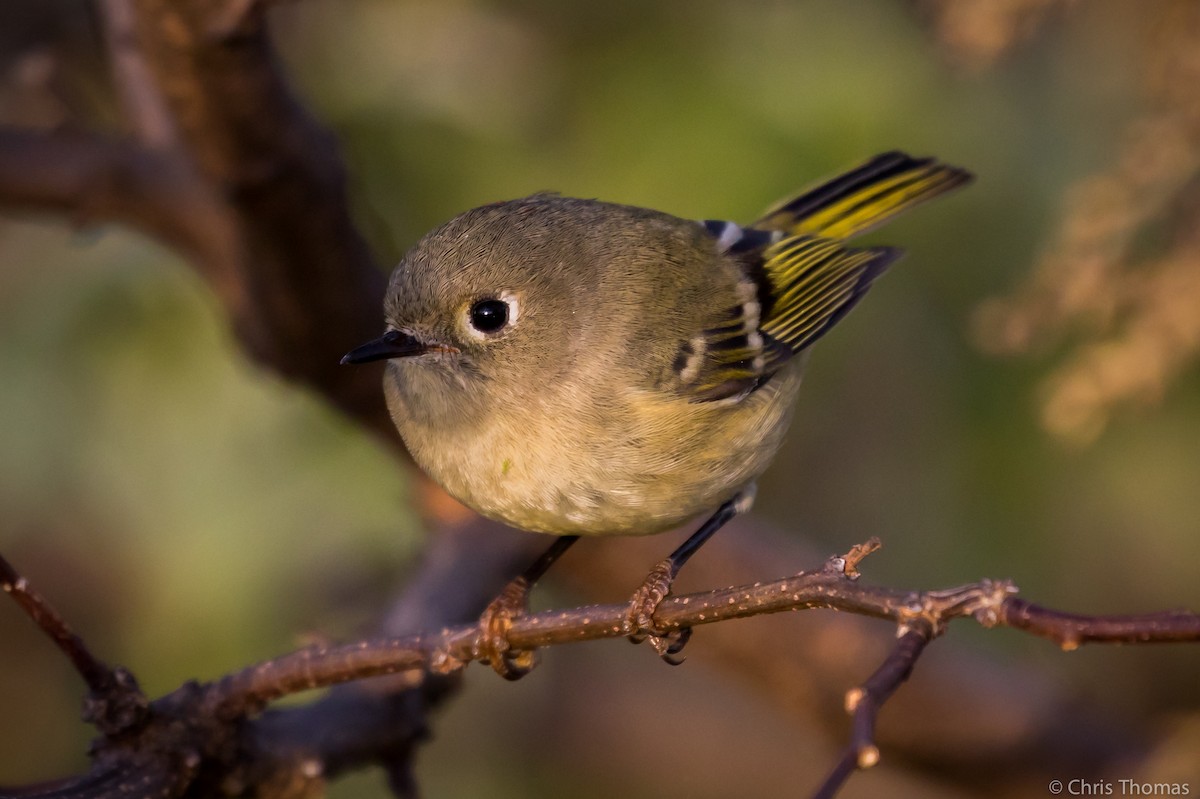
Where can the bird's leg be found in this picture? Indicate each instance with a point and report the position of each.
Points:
(639, 623)
(512, 602)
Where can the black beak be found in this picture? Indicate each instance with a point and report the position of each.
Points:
(392, 344)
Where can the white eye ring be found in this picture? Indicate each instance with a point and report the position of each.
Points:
(487, 317)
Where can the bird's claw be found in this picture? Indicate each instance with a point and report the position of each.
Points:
(639, 619)
(495, 623)
(670, 646)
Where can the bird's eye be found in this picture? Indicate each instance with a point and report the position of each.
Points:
(490, 315)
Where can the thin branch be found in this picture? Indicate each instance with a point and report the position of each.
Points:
(863, 704)
(114, 702)
(96, 674)
(1070, 630)
(832, 586)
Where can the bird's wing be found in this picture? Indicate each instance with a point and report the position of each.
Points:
(798, 278)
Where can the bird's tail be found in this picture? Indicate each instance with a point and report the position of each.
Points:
(864, 198)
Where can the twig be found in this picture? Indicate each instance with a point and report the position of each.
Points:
(114, 703)
(987, 601)
(454, 647)
(1070, 630)
(95, 672)
(863, 704)
(856, 555)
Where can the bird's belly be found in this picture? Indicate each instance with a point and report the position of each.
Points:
(574, 495)
(659, 466)
(576, 500)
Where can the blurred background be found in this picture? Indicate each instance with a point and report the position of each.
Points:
(1019, 398)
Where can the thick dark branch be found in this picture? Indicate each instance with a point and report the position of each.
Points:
(94, 178)
(311, 286)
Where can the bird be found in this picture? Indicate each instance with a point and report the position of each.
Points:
(585, 368)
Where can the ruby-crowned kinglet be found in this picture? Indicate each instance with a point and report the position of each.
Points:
(576, 367)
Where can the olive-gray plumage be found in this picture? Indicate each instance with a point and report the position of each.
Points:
(581, 415)
(578, 367)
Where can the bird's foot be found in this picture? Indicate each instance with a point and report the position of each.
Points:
(495, 623)
(639, 619)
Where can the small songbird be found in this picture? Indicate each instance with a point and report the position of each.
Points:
(577, 367)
